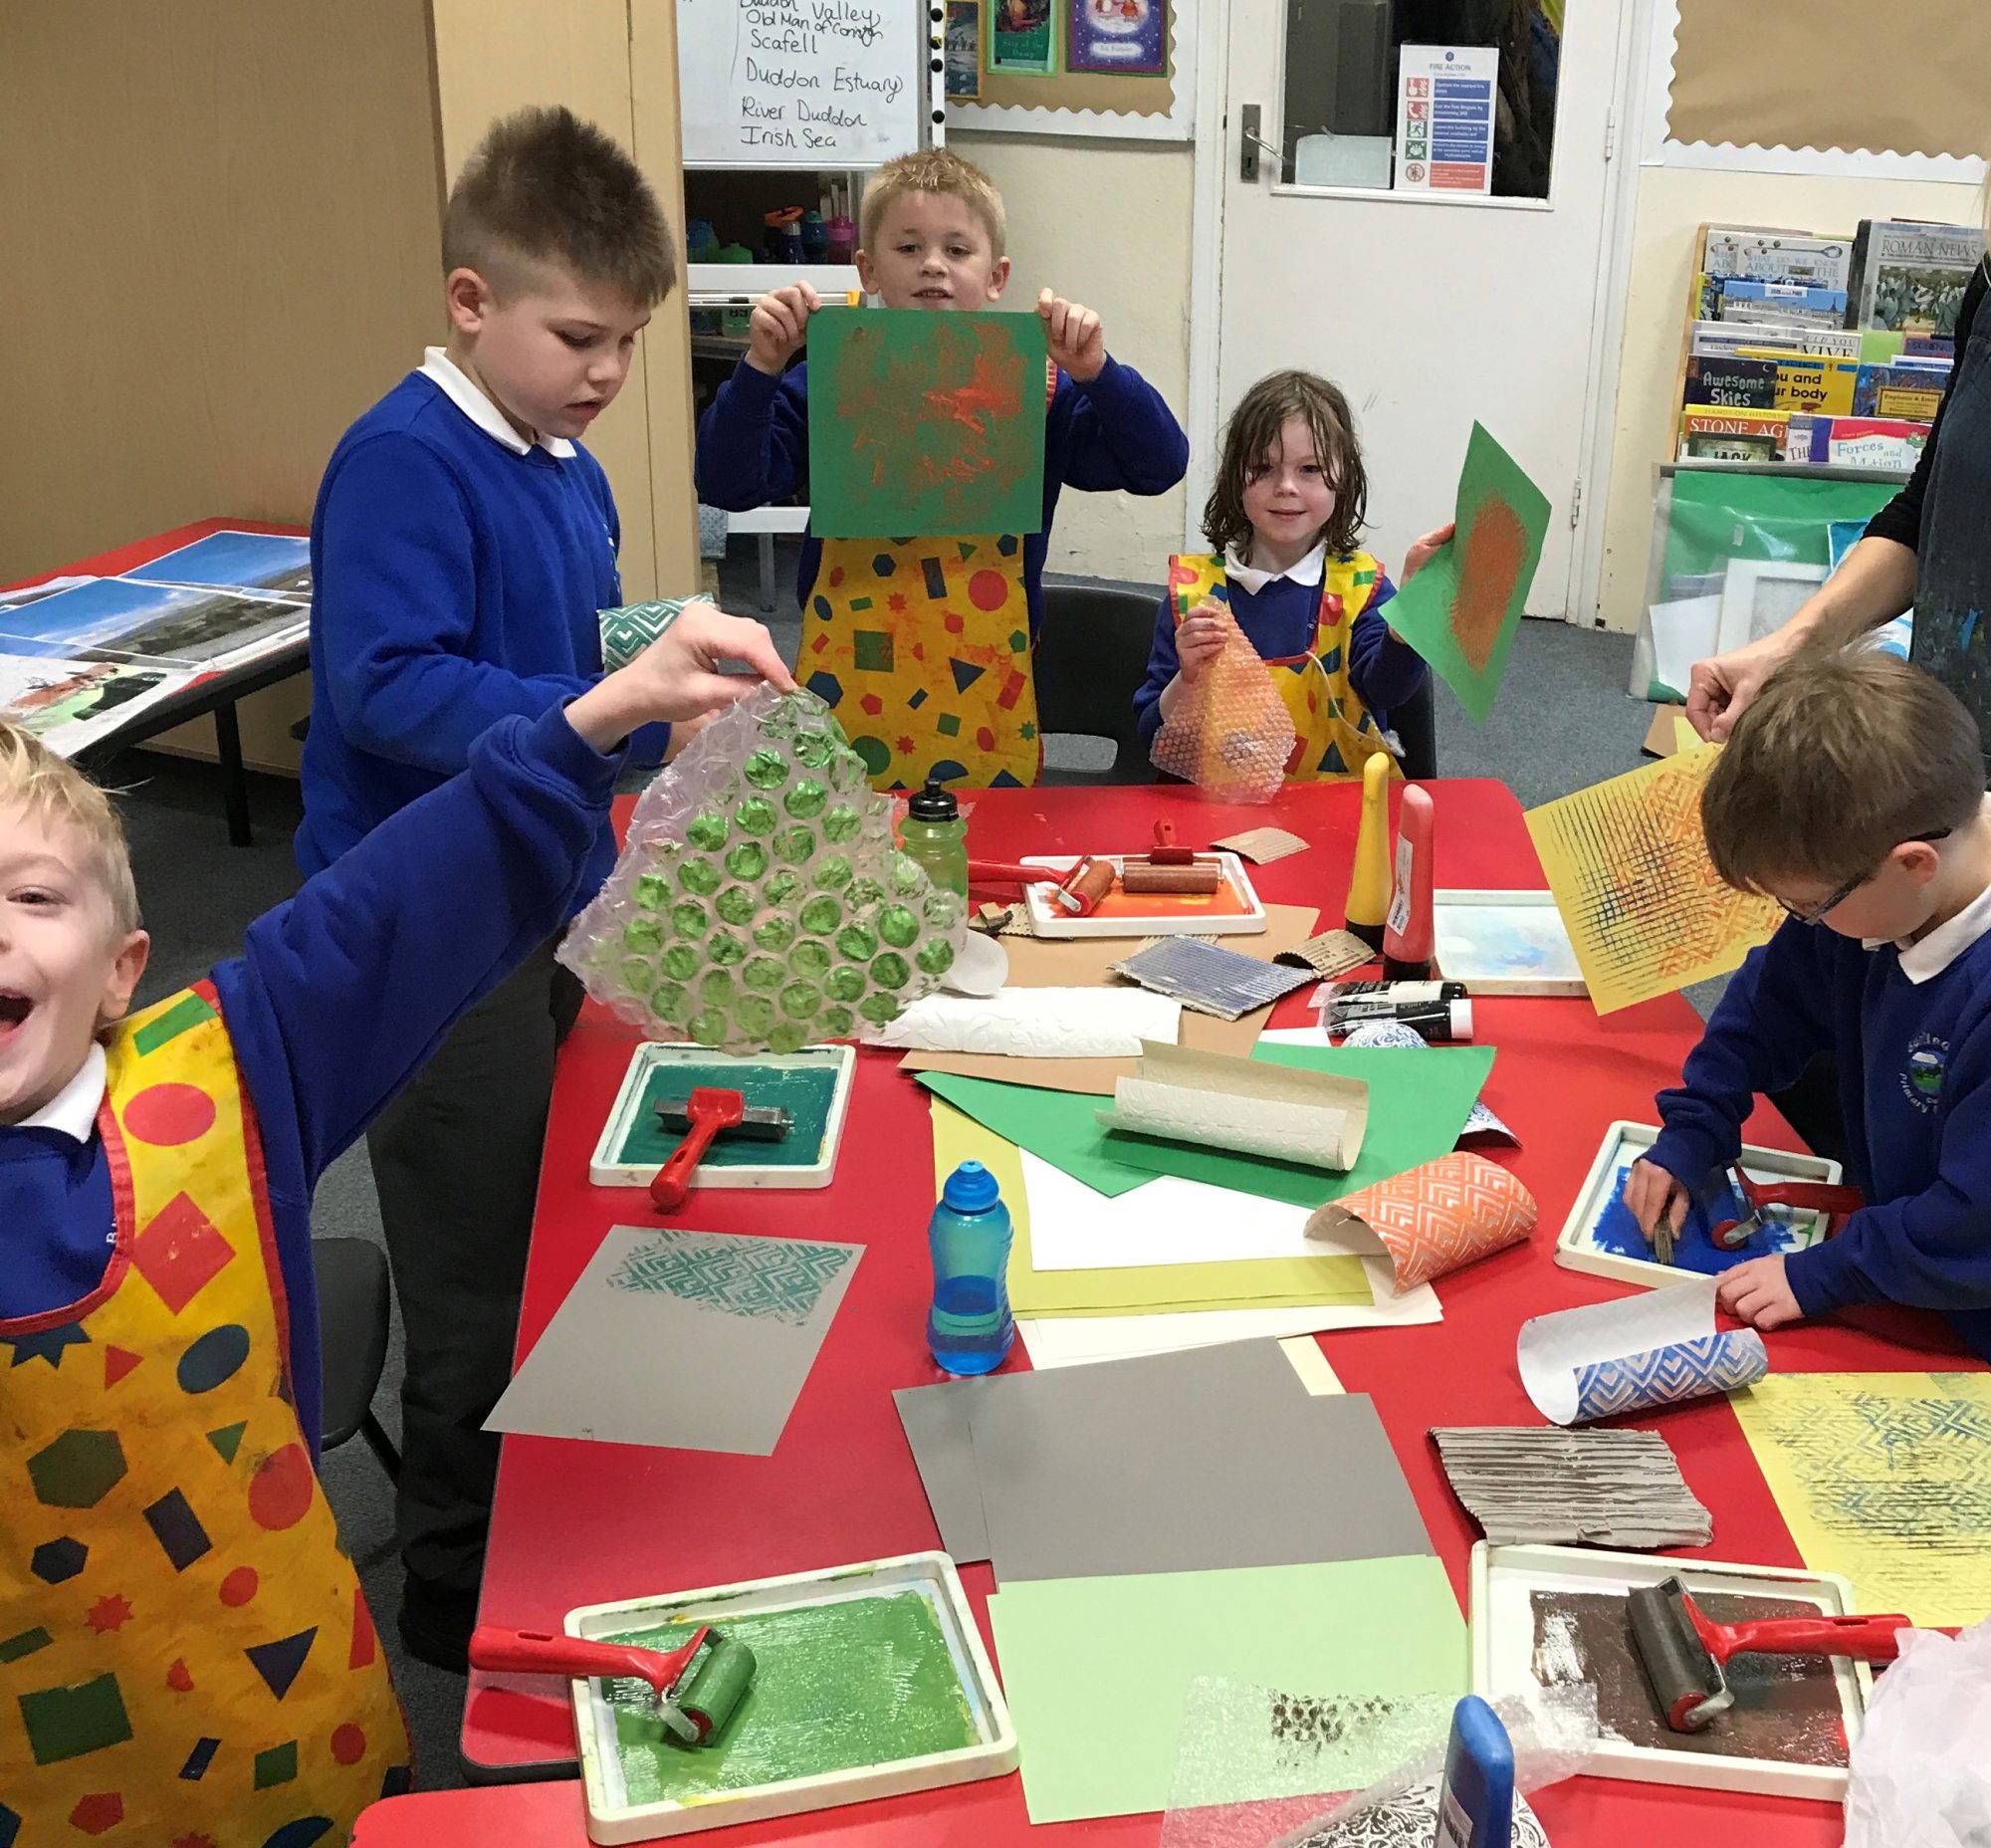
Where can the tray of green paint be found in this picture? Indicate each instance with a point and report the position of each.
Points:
(870, 1681)
(812, 1085)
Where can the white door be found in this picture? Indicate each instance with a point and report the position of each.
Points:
(1429, 309)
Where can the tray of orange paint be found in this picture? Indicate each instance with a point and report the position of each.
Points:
(1233, 910)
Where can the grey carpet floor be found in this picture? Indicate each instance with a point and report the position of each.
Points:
(1563, 722)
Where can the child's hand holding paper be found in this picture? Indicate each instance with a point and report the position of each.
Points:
(1199, 638)
(779, 326)
(1077, 341)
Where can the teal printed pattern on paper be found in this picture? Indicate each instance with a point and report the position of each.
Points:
(1693, 1369)
(627, 632)
(782, 1279)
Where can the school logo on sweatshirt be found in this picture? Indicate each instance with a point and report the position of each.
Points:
(1921, 1080)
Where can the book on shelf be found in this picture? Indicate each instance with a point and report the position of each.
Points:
(1732, 385)
(1855, 442)
(1808, 384)
(1771, 256)
(1905, 389)
(1785, 303)
(1734, 435)
(1910, 276)
(1717, 339)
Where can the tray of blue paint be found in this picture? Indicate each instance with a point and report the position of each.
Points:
(1600, 1234)
(869, 1681)
(812, 1085)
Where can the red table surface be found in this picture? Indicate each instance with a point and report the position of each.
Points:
(580, 1524)
(140, 552)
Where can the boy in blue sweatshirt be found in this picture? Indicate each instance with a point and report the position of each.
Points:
(462, 547)
(1852, 791)
(189, 1656)
(922, 647)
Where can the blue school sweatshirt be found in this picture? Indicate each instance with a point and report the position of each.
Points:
(1914, 1087)
(1280, 619)
(453, 583)
(338, 996)
(1115, 432)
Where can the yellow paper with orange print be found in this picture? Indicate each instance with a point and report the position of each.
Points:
(189, 1658)
(922, 649)
(1628, 863)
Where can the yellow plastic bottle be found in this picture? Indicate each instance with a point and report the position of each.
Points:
(1369, 885)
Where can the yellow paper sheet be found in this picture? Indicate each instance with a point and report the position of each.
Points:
(1886, 1479)
(1627, 864)
(1134, 1290)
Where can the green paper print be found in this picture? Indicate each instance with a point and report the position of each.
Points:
(627, 632)
(836, 1687)
(1461, 611)
(777, 1278)
(936, 424)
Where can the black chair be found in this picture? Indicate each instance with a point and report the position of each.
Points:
(1091, 657)
(352, 1307)
(1416, 725)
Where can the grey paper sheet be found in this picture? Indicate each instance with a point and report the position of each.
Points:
(1542, 1485)
(935, 1425)
(687, 1340)
(1171, 1462)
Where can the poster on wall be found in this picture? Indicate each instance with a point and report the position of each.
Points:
(1024, 38)
(1117, 37)
(1445, 117)
(963, 50)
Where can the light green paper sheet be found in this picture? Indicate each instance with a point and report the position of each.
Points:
(1258, 1282)
(1096, 1669)
(926, 425)
(1418, 1102)
(1461, 611)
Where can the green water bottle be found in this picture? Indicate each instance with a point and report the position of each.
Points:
(937, 837)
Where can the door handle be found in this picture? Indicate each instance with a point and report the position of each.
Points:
(1251, 144)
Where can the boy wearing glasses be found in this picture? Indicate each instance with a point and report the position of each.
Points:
(1852, 793)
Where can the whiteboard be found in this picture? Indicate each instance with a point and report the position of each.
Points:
(803, 83)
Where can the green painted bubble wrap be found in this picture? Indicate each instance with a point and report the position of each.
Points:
(759, 903)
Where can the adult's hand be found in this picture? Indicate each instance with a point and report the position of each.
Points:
(1720, 688)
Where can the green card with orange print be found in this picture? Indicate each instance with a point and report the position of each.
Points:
(1461, 611)
(925, 426)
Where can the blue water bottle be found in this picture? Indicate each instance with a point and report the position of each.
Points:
(969, 1328)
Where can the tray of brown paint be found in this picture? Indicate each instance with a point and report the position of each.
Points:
(870, 1681)
(1548, 1615)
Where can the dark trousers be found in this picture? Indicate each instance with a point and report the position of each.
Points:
(456, 1161)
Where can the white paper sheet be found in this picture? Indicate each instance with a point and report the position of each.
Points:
(1682, 633)
(1074, 1340)
(1039, 1023)
(1170, 1221)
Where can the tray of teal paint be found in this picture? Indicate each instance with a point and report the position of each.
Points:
(1601, 1236)
(870, 1681)
(812, 1085)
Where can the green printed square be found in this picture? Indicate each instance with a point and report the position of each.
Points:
(187, 1013)
(948, 724)
(72, 1723)
(278, 1765)
(871, 650)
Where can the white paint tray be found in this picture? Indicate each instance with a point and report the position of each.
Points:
(729, 1164)
(1504, 943)
(1051, 920)
(1577, 1248)
(1501, 1622)
(611, 1817)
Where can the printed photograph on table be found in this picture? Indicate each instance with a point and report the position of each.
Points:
(276, 563)
(1126, 37)
(154, 622)
(1024, 38)
(939, 424)
(71, 704)
(965, 53)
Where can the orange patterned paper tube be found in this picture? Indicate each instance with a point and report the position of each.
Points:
(1439, 1216)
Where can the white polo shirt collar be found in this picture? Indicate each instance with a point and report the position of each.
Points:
(1929, 956)
(1247, 578)
(470, 397)
(72, 1111)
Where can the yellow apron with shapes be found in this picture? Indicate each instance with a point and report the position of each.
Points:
(922, 649)
(1337, 733)
(185, 1657)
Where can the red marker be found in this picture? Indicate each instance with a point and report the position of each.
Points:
(1407, 932)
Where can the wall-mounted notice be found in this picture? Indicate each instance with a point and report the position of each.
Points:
(1445, 117)
(800, 83)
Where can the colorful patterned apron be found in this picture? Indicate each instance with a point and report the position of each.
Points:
(185, 1657)
(1337, 731)
(922, 649)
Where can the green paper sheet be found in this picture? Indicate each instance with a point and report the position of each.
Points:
(1257, 1282)
(1418, 1102)
(924, 424)
(1096, 1669)
(1062, 1127)
(1461, 611)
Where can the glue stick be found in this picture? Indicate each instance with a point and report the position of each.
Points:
(1406, 937)
(1369, 885)
(1440, 1021)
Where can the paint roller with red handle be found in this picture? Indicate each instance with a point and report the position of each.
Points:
(1825, 1197)
(1684, 1652)
(697, 1686)
(1079, 892)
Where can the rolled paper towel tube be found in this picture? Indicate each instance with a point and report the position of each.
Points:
(1627, 1355)
(1436, 1218)
(1368, 883)
(1302, 1132)
(1138, 876)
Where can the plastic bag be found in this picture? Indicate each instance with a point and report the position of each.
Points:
(1921, 1767)
(760, 902)
(1230, 731)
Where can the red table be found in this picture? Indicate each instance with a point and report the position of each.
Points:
(215, 692)
(580, 1524)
